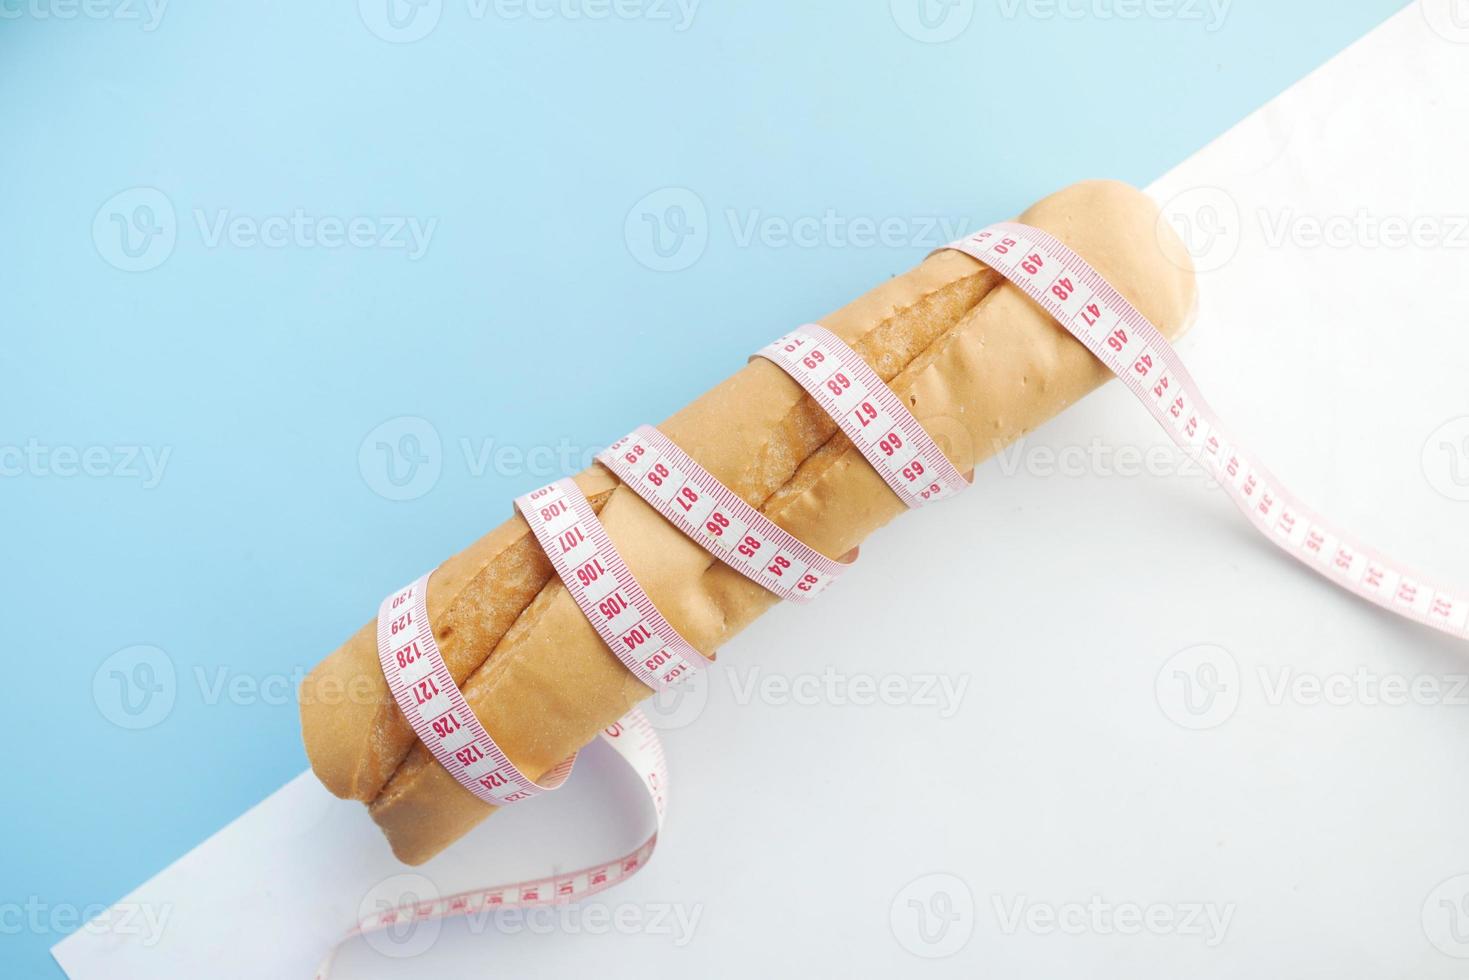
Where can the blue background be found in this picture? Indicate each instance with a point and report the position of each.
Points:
(262, 370)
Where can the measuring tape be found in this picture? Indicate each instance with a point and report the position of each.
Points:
(435, 706)
(637, 744)
(604, 587)
(880, 426)
(873, 418)
(1094, 313)
(699, 505)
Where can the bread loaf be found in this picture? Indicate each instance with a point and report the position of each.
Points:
(975, 360)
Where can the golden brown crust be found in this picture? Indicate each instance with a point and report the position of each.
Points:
(978, 363)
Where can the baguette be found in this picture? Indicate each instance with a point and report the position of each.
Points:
(976, 361)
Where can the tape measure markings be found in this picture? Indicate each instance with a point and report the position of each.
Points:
(1093, 311)
(873, 417)
(604, 588)
(434, 705)
(717, 518)
(637, 745)
(877, 422)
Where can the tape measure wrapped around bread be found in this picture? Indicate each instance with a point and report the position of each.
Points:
(976, 362)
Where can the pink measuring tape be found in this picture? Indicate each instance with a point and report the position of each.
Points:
(908, 459)
(696, 503)
(1084, 303)
(636, 742)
